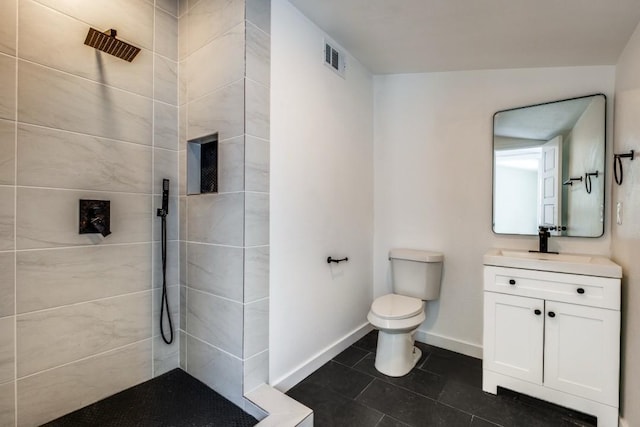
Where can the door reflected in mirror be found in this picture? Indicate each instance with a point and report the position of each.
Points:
(548, 168)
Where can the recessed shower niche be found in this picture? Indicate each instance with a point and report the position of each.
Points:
(202, 165)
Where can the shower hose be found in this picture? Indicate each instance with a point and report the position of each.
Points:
(164, 304)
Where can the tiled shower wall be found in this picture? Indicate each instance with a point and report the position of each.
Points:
(224, 90)
(78, 313)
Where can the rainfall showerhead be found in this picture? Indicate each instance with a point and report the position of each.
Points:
(108, 43)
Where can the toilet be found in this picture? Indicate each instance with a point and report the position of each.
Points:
(416, 278)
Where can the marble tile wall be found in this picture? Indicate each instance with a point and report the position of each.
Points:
(212, 101)
(8, 60)
(8, 77)
(224, 52)
(256, 167)
(79, 313)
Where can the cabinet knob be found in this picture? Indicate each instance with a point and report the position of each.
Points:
(581, 291)
(512, 282)
(552, 314)
(537, 312)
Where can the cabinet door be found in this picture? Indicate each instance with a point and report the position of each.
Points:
(513, 336)
(582, 351)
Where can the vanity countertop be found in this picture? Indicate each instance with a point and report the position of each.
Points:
(588, 265)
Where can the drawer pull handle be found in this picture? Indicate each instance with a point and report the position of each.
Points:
(580, 291)
(512, 282)
(537, 312)
(552, 314)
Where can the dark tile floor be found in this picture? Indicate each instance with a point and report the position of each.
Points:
(173, 399)
(444, 390)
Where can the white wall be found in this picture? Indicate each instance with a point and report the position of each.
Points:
(321, 195)
(626, 237)
(433, 150)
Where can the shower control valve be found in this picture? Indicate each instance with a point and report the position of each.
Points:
(95, 217)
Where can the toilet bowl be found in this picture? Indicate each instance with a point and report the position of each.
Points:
(397, 318)
(416, 276)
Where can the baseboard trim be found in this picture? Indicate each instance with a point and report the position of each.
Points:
(299, 373)
(622, 422)
(448, 343)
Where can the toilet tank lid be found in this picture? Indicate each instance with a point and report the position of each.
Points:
(416, 255)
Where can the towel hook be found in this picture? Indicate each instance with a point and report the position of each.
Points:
(587, 180)
(337, 261)
(570, 180)
(617, 165)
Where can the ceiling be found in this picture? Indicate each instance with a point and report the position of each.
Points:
(541, 122)
(408, 36)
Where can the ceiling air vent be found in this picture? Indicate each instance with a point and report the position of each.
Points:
(334, 59)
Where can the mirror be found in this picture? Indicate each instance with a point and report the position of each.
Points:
(549, 168)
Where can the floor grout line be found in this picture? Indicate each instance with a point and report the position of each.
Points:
(364, 389)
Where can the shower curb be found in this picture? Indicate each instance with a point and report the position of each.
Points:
(282, 410)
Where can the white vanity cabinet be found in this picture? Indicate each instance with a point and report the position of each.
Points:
(554, 336)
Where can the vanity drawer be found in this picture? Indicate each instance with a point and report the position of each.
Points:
(571, 288)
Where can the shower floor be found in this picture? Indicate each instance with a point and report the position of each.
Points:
(172, 399)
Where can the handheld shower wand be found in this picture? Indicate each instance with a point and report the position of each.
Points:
(165, 199)
(164, 304)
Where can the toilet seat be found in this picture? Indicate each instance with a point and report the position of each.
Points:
(396, 307)
(396, 317)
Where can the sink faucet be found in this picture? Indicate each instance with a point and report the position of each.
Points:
(543, 236)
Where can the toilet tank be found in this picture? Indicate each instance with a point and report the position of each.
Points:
(416, 273)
